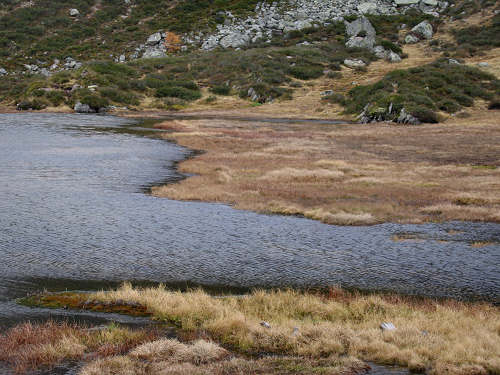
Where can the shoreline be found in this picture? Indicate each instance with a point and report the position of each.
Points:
(250, 160)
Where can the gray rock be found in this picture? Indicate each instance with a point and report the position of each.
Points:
(355, 27)
(326, 92)
(423, 30)
(351, 63)
(3, 72)
(368, 8)
(387, 326)
(359, 42)
(483, 64)
(154, 52)
(265, 325)
(380, 52)
(393, 57)
(453, 62)
(154, 39)
(432, 3)
(406, 118)
(74, 12)
(361, 34)
(405, 2)
(122, 58)
(411, 39)
(83, 108)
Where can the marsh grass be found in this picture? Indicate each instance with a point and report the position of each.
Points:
(445, 337)
(346, 174)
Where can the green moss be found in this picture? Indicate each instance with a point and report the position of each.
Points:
(79, 301)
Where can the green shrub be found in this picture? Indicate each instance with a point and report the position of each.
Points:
(178, 92)
(388, 45)
(335, 98)
(96, 102)
(425, 115)
(221, 90)
(306, 72)
(55, 97)
(118, 96)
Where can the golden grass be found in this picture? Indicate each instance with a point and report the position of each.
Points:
(344, 174)
(440, 337)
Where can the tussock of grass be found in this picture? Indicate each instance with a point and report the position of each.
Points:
(445, 337)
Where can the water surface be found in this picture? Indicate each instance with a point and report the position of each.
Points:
(74, 214)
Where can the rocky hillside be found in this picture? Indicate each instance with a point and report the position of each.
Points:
(92, 55)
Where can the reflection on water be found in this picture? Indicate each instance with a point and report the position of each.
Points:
(72, 207)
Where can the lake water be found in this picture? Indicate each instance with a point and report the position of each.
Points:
(75, 214)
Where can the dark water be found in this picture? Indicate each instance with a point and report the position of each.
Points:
(73, 214)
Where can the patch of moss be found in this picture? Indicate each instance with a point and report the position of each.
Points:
(80, 301)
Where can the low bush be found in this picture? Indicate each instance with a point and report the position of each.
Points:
(94, 101)
(306, 72)
(119, 96)
(221, 90)
(178, 92)
(56, 98)
(423, 90)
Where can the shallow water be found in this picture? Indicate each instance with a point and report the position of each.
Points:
(73, 209)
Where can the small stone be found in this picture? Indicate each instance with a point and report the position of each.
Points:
(453, 62)
(265, 325)
(411, 39)
(393, 57)
(295, 331)
(326, 92)
(74, 12)
(387, 326)
(352, 63)
(483, 64)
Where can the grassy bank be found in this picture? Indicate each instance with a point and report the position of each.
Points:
(305, 333)
(344, 174)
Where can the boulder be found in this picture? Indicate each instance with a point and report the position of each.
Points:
(358, 42)
(380, 52)
(3, 72)
(423, 30)
(74, 12)
(393, 57)
(453, 62)
(351, 63)
(411, 39)
(359, 25)
(406, 118)
(83, 108)
(154, 39)
(431, 3)
(234, 40)
(361, 34)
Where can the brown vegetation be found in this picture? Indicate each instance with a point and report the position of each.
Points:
(344, 174)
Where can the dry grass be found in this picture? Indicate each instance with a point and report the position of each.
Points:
(442, 337)
(32, 346)
(344, 174)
